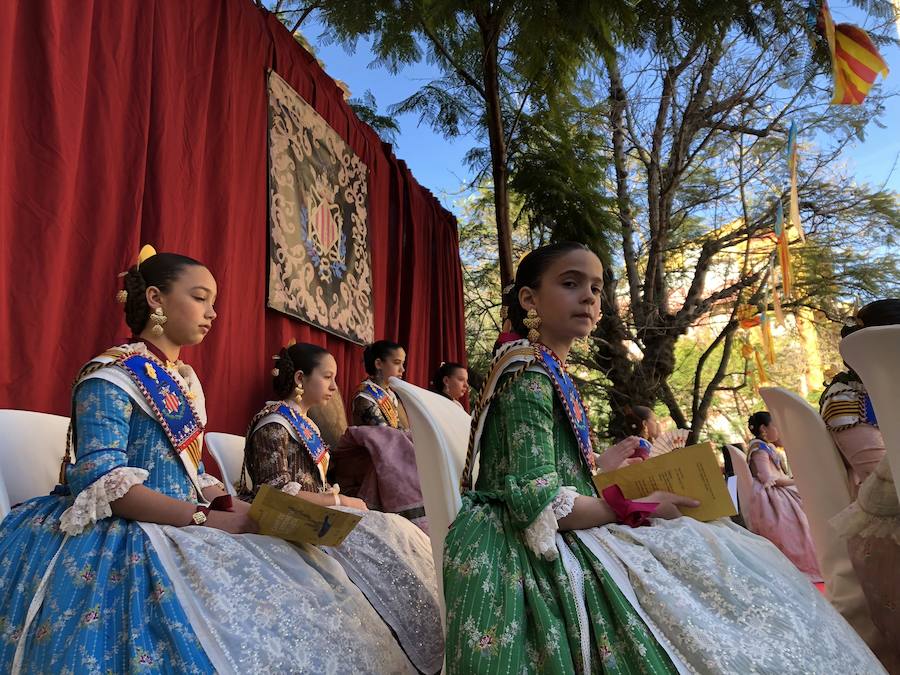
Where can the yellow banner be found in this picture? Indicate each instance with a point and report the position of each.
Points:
(691, 472)
(298, 520)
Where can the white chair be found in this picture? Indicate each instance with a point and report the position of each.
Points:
(744, 480)
(825, 488)
(228, 451)
(874, 354)
(731, 484)
(440, 431)
(32, 447)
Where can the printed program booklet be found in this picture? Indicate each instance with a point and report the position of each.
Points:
(298, 520)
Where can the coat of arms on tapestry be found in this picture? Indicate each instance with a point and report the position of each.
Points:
(319, 266)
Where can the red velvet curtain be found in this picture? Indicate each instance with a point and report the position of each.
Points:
(144, 121)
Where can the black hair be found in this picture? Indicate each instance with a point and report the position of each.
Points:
(444, 370)
(159, 270)
(635, 416)
(757, 420)
(529, 274)
(302, 356)
(381, 349)
(880, 313)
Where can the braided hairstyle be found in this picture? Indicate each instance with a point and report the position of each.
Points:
(756, 420)
(446, 369)
(529, 274)
(302, 356)
(159, 270)
(381, 349)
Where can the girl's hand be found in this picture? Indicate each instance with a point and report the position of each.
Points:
(668, 504)
(354, 502)
(618, 455)
(234, 522)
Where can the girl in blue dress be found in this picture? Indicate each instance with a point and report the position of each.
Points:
(130, 566)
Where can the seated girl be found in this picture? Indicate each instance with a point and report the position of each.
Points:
(375, 403)
(542, 574)
(132, 564)
(387, 556)
(845, 406)
(776, 510)
(451, 380)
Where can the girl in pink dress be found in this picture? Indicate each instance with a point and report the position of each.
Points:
(776, 511)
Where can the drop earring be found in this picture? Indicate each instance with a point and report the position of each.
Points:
(157, 318)
(533, 324)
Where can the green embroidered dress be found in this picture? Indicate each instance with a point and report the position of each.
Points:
(510, 610)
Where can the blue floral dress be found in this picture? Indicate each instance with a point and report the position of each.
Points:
(108, 604)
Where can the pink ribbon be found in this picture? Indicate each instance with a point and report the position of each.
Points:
(628, 512)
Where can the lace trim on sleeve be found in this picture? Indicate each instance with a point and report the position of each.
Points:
(540, 536)
(292, 488)
(92, 503)
(208, 480)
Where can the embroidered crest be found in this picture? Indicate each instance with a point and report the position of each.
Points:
(169, 402)
(306, 432)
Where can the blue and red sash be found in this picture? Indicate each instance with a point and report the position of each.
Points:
(571, 400)
(307, 434)
(169, 402)
(384, 402)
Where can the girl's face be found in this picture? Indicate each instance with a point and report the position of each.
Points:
(319, 385)
(456, 384)
(568, 298)
(393, 365)
(770, 433)
(188, 305)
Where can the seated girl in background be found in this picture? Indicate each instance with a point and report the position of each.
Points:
(375, 403)
(540, 578)
(451, 380)
(285, 450)
(845, 406)
(776, 510)
(130, 566)
(872, 523)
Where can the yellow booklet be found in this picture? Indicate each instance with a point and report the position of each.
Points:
(692, 472)
(298, 520)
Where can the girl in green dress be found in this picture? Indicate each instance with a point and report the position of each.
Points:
(523, 594)
(543, 576)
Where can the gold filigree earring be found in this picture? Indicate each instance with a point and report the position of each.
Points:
(533, 324)
(157, 318)
(298, 393)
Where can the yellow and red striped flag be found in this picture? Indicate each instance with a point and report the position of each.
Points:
(784, 253)
(855, 61)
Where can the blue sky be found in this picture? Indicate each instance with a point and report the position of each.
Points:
(438, 163)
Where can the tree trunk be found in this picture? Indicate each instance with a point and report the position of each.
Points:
(499, 168)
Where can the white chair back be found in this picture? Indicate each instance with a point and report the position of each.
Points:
(744, 483)
(440, 431)
(32, 447)
(825, 488)
(874, 353)
(228, 451)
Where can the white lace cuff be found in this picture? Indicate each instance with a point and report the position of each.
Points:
(564, 502)
(92, 503)
(292, 488)
(206, 480)
(540, 536)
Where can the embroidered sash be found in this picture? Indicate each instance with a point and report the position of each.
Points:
(384, 402)
(571, 400)
(302, 430)
(169, 402)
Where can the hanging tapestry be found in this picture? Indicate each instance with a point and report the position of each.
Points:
(319, 266)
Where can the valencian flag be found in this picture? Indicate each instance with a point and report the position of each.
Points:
(855, 62)
(794, 208)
